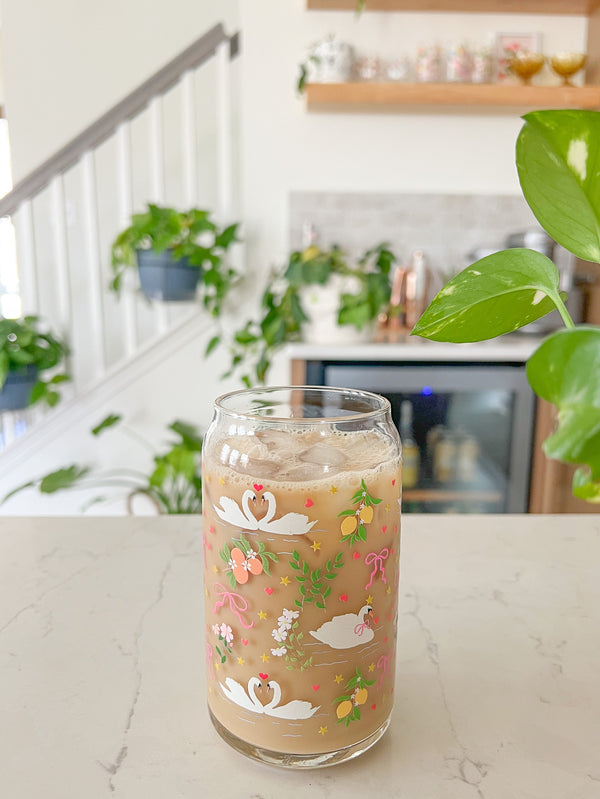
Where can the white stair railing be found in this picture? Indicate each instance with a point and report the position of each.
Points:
(67, 211)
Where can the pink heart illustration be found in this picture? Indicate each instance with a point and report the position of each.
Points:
(263, 676)
(309, 503)
(211, 529)
(268, 591)
(245, 641)
(257, 486)
(316, 687)
(375, 619)
(356, 556)
(373, 706)
(344, 597)
(393, 482)
(384, 528)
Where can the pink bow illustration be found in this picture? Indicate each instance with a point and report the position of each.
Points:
(237, 604)
(377, 561)
(383, 663)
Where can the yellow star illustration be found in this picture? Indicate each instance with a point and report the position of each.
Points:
(371, 667)
(217, 666)
(315, 545)
(215, 570)
(387, 507)
(322, 730)
(221, 481)
(369, 600)
(285, 580)
(241, 661)
(208, 478)
(388, 590)
(333, 490)
(262, 614)
(338, 678)
(264, 657)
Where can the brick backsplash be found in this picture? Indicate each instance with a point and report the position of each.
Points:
(445, 226)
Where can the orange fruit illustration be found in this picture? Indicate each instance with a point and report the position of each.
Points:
(239, 572)
(255, 565)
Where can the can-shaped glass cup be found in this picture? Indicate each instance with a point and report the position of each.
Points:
(301, 534)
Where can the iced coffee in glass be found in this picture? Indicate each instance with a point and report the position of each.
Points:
(301, 537)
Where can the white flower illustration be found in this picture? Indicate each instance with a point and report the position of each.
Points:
(279, 652)
(216, 629)
(279, 635)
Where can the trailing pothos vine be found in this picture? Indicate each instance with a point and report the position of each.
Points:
(282, 316)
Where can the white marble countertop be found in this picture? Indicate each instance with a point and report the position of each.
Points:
(510, 348)
(497, 686)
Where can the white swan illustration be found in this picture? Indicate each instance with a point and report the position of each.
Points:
(296, 709)
(237, 694)
(231, 512)
(347, 630)
(290, 524)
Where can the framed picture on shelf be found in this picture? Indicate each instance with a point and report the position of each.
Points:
(507, 44)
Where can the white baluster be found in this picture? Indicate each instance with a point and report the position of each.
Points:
(224, 133)
(125, 203)
(189, 138)
(94, 264)
(26, 259)
(157, 165)
(61, 255)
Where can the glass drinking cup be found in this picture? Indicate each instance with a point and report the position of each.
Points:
(301, 536)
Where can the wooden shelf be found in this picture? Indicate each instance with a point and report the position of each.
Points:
(571, 7)
(381, 96)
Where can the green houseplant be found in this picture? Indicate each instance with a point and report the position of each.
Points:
(283, 313)
(173, 250)
(558, 162)
(173, 485)
(26, 350)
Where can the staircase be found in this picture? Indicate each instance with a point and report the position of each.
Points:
(171, 141)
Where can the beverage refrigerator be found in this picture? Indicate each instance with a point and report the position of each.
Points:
(467, 429)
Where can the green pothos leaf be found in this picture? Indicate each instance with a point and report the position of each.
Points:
(496, 295)
(558, 160)
(565, 370)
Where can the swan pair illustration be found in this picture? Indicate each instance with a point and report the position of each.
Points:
(296, 709)
(290, 524)
(347, 630)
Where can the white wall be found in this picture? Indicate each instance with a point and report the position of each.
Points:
(284, 148)
(66, 62)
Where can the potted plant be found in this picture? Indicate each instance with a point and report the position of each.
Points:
(557, 156)
(25, 351)
(173, 485)
(361, 291)
(173, 250)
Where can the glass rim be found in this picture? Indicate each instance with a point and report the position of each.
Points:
(384, 406)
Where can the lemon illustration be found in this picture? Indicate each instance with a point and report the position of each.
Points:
(344, 708)
(349, 525)
(366, 514)
(360, 697)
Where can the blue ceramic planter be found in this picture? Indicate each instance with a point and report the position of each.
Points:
(16, 391)
(162, 278)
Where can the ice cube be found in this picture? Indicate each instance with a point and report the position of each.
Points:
(307, 471)
(276, 439)
(257, 468)
(323, 454)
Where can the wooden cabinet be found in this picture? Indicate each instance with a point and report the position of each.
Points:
(402, 96)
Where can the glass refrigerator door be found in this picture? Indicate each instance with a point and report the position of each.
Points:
(466, 430)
